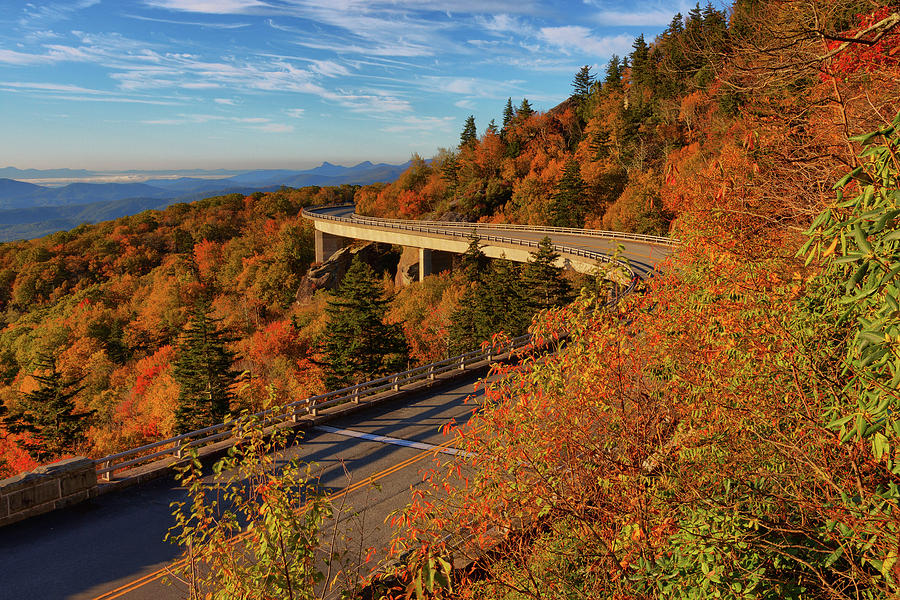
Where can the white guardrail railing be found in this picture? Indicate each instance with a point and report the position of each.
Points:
(177, 446)
(291, 413)
(313, 213)
(438, 228)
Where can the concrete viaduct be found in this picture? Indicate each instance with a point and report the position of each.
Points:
(579, 249)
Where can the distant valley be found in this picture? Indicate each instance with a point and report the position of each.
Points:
(28, 210)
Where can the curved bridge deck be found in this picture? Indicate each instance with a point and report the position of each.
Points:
(580, 249)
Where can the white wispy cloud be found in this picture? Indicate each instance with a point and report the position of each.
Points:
(467, 104)
(620, 18)
(647, 14)
(14, 57)
(545, 64)
(421, 124)
(373, 102)
(79, 93)
(470, 86)
(138, 68)
(191, 23)
(213, 7)
(49, 87)
(259, 123)
(41, 35)
(200, 85)
(575, 38)
(329, 68)
(38, 14)
(275, 128)
(226, 101)
(296, 113)
(119, 99)
(504, 23)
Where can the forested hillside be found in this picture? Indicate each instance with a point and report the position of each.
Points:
(118, 334)
(102, 308)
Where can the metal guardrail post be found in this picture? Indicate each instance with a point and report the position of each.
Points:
(356, 396)
(396, 387)
(108, 475)
(179, 453)
(462, 362)
(431, 371)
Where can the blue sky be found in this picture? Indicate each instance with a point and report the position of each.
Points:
(120, 84)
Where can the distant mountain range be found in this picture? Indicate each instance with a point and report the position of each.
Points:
(28, 210)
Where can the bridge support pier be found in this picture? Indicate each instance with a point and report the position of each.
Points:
(434, 261)
(327, 244)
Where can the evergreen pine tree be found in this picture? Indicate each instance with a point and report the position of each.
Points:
(490, 305)
(360, 345)
(613, 78)
(492, 128)
(524, 111)
(508, 114)
(203, 370)
(676, 26)
(694, 21)
(640, 63)
(583, 83)
(474, 262)
(469, 134)
(49, 414)
(543, 280)
(567, 208)
(466, 323)
(504, 306)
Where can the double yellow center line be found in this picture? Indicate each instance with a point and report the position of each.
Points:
(163, 571)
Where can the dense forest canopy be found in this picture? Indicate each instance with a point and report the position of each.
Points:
(109, 302)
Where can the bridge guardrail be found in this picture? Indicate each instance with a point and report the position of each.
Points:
(439, 230)
(616, 235)
(176, 446)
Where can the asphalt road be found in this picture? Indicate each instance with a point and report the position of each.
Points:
(100, 548)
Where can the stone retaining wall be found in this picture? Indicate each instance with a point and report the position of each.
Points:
(47, 488)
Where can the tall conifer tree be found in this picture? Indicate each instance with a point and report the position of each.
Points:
(543, 280)
(524, 111)
(203, 370)
(505, 304)
(614, 68)
(49, 414)
(360, 345)
(509, 113)
(469, 134)
(567, 208)
(582, 83)
(494, 301)
(474, 262)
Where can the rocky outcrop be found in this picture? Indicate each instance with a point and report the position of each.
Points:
(408, 267)
(382, 258)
